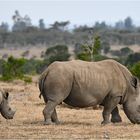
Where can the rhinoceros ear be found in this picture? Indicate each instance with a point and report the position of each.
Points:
(6, 95)
(134, 82)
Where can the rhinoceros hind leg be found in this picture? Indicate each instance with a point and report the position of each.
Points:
(54, 117)
(110, 104)
(116, 118)
(48, 111)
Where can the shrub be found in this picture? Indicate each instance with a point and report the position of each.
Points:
(132, 59)
(83, 56)
(57, 53)
(135, 69)
(27, 79)
(13, 69)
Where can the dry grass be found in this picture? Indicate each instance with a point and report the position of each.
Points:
(76, 123)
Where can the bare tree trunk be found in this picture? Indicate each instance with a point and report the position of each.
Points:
(91, 57)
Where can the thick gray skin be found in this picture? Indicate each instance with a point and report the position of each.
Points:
(5, 109)
(83, 84)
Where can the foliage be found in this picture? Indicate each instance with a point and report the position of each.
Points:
(41, 24)
(34, 66)
(83, 56)
(99, 57)
(125, 51)
(97, 45)
(57, 53)
(13, 69)
(135, 69)
(105, 46)
(1, 65)
(24, 33)
(128, 23)
(132, 59)
(88, 50)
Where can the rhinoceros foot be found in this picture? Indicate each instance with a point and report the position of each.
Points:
(105, 123)
(48, 122)
(116, 119)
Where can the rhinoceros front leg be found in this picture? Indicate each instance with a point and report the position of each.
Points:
(48, 112)
(116, 118)
(110, 104)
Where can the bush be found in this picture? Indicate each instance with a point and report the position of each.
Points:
(132, 59)
(32, 66)
(15, 68)
(126, 51)
(135, 69)
(12, 69)
(83, 56)
(27, 79)
(1, 65)
(57, 53)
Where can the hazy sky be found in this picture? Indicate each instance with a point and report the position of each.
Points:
(76, 11)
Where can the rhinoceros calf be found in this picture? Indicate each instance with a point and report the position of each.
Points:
(5, 109)
(83, 84)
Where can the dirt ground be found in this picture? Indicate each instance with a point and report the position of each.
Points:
(76, 123)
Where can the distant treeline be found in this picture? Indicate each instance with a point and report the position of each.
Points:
(23, 33)
(89, 44)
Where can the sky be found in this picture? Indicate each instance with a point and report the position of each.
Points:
(76, 11)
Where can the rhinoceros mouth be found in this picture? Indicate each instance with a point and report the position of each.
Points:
(137, 120)
(8, 116)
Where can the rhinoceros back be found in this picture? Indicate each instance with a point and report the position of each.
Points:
(93, 81)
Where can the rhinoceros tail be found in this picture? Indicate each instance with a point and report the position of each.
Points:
(41, 83)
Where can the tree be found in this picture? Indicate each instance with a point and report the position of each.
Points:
(119, 25)
(4, 26)
(20, 23)
(41, 24)
(100, 26)
(93, 47)
(57, 53)
(128, 23)
(60, 25)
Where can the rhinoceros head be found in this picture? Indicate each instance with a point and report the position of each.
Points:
(5, 109)
(132, 104)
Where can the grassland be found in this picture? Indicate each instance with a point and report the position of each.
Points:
(75, 123)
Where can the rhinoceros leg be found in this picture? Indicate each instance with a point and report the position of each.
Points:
(110, 104)
(48, 111)
(115, 116)
(54, 117)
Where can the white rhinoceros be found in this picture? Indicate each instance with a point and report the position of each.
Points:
(5, 109)
(83, 84)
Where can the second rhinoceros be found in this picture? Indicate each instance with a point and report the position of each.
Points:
(84, 84)
(5, 109)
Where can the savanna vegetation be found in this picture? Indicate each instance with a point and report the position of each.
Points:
(89, 43)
